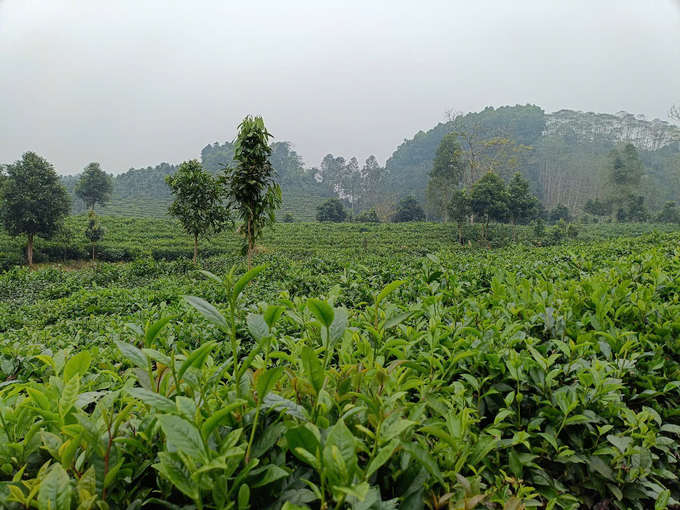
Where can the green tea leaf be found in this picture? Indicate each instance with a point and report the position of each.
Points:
(391, 287)
(77, 365)
(184, 436)
(69, 395)
(208, 311)
(322, 311)
(153, 330)
(133, 354)
(55, 490)
(152, 399)
(267, 380)
(243, 281)
(313, 367)
(257, 326)
(172, 468)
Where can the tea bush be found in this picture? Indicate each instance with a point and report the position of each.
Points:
(335, 376)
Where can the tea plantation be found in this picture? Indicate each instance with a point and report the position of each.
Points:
(357, 366)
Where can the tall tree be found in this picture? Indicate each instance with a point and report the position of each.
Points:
(332, 173)
(623, 176)
(485, 147)
(251, 183)
(446, 174)
(488, 200)
(459, 208)
(522, 205)
(372, 175)
(94, 186)
(32, 200)
(352, 183)
(199, 202)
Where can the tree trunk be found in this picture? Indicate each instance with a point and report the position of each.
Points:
(195, 249)
(29, 250)
(514, 231)
(250, 246)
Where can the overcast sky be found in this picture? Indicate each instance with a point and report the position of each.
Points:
(132, 83)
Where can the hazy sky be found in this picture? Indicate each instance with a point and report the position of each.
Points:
(137, 82)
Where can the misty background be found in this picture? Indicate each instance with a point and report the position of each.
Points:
(134, 83)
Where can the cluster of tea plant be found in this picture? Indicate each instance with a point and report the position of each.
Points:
(128, 239)
(521, 377)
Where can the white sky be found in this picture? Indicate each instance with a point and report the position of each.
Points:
(137, 82)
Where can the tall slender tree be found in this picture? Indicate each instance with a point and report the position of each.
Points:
(446, 174)
(372, 176)
(251, 183)
(352, 185)
(33, 202)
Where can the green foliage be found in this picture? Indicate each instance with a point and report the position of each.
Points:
(251, 185)
(560, 213)
(94, 186)
(459, 210)
(94, 231)
(598, 207)
(368, 216)
(489, 200)
(331, 210)
(32, 200)
(288, 218)
(446, 174)
(535, 377)
(408, 209)
(198, 202)
(669, 214)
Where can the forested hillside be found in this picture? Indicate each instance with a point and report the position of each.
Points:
(564, 155)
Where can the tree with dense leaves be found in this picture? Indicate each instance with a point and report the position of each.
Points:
(332, 210)
(446, 174)
(489, 201)
(669, 214)
(368, 216)
(251, 183)
(94, 186)
(598, 207)
(94, 231)
(522, 204)
(408, 209)
(459, 210)
(199, 202)
(33, 202)
(637, 209)
(560, 212)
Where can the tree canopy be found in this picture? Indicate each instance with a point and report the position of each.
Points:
(33, 202)
(94, 186)
(408, 209)
(199, 202)
(331, 210)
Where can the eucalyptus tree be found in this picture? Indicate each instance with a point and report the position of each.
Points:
(33, 202)
(199, 202)
(251, 183)
(94, 186)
